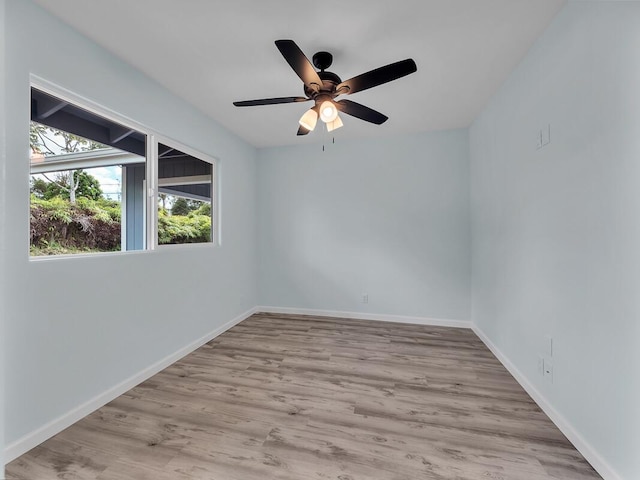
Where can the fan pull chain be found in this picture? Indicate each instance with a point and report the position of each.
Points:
(333, 140)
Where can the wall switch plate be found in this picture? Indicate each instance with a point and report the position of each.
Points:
(365, 298)
(541, 366)
(548, 371)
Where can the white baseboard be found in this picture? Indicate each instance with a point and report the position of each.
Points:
(367, 316)
(35, 438)
(591, 454)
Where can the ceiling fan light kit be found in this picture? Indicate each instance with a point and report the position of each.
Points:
(328, 111)
(337, 123)
(309, 119)
(323, 87)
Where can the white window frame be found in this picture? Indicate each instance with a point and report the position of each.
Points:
(215, 224)
(153, 138)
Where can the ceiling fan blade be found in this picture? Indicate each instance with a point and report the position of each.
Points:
(302, 130)
(270, 101)
(300, 64)
(376, 77)
(360, 111)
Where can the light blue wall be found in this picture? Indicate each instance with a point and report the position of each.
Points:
(556, 231)
(387, 217)
(78, 326)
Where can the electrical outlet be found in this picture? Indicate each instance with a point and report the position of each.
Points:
(541, 365)
(546, 135)
(539, 140)
(548, 371)
(365, 298)
(543, 137)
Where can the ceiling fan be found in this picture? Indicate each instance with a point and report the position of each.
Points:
(323, 87)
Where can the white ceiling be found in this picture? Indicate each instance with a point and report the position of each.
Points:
(212, 52)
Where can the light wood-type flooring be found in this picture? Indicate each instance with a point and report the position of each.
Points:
(312, 398)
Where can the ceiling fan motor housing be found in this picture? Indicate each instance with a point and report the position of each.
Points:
(329, 82)
(322, 60)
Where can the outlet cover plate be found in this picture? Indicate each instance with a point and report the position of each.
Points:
(548, 371)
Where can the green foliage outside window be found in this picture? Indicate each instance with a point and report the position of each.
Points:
(94, 225)
(58, 227)
(194, 227)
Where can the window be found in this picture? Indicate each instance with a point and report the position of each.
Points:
(185, 192)
(94, 177)
(87, 181)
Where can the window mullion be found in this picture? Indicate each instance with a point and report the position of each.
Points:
(152, 192)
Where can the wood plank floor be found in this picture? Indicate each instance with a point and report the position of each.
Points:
(299, 398)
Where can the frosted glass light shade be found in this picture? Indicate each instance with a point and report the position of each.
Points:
(337, 123)
(328, 111)
(309, 120)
